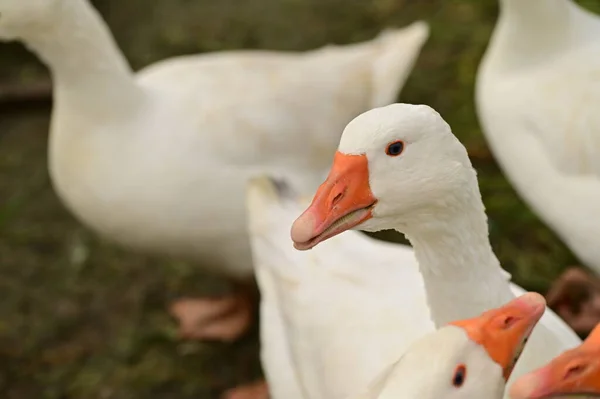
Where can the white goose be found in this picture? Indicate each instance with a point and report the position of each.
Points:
(575, 373)
(158, 160)
(468, 359)
(397, 167)
(331, 318)
(537, 92)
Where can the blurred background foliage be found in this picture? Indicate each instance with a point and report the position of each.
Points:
(81, 318)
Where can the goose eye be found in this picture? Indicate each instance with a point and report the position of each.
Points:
(460, 375)
(395, 148)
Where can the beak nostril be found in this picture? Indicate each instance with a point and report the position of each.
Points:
(509, 321)
(574, 370)
(337, 198)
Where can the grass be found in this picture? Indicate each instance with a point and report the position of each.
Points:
(82, 318)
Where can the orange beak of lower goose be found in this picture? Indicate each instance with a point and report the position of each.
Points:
(503, 332)
(576, 372)
(342, 202)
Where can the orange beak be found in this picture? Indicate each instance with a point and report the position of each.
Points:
(575, 372)
(502, 332)
(342, 202)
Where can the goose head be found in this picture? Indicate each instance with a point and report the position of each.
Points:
(575, 373)
(396, 167)
(470, 358)
(20, 17)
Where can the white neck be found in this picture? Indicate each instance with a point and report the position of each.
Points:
(88, 70)
(530, 31)
(462, 276)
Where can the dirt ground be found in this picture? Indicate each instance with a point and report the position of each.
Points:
(82, 318)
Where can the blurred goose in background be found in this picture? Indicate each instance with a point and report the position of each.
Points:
(400, 167)
(575, 373)
(450, 362)
(538, 87)
(158, 160)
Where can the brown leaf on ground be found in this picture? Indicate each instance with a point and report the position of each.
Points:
(255, 390)
(575, 296)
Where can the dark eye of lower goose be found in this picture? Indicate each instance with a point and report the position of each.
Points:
(460, 375)
(395, 148)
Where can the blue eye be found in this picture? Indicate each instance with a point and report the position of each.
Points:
(395, 148)
(460, 375)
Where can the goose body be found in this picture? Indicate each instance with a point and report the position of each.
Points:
(429, 192)
(158, 160)
(334, 317)
(537, 87)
